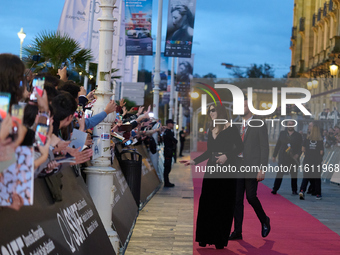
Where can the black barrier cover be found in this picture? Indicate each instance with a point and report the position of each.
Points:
(150, 179)
(71, 226)
(125, 210)
(132, 170)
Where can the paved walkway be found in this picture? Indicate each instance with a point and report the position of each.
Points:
(165, 224)
(326, 210)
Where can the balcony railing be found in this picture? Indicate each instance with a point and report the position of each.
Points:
(325, 9)
(302, 24)
(293, 33)
(319, 14)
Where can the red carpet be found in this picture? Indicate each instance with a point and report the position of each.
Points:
(293, 230)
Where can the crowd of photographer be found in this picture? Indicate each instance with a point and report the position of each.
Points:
(51, 114)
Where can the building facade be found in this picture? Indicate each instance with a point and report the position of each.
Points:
(315, 44)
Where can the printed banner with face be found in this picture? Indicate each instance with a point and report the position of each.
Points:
(185, 68)
(180, 30)
(138, 16)
(163, 72)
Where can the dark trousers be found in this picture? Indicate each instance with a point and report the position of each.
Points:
(314, 177)
(181, 148)
(314, 182)
(293, 176)
(317, 185)
(167, 169)
(250, 187)
(304, 183)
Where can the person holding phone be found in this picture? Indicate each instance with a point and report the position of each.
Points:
(12, 81)
(217, 200)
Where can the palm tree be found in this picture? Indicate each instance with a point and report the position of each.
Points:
(56, 50)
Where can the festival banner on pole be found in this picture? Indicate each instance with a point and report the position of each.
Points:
(185, 69)
(75, 21)
(163, 85)
(138, 15)
(180, 28)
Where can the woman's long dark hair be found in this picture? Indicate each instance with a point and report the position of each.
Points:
(184, 10)
(12, 71)
(222, 113)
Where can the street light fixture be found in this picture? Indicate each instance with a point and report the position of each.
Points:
(309, 85)
(315, 83)
(333, 68)
(21, 36)
(194, 95)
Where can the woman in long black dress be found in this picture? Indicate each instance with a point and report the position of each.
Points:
(217, 201)
(313, 149)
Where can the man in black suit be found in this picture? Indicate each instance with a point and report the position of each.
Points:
(255, 153)
(288, 147)
(169, 144)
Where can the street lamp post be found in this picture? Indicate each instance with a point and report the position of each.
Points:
(157, 80)
(157, 77)
(100, 175)
(21, 36)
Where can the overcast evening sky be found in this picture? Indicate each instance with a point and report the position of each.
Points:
(236, 32)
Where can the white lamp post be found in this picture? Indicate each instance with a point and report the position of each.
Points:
(157, 77)
(21, 36)
(100, 175)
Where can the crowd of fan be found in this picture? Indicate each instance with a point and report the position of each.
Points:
(61, 107)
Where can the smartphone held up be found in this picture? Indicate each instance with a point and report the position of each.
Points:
(38, 88)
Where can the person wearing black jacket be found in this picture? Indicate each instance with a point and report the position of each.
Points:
(288, 147)
(169, 144)
(255, 154)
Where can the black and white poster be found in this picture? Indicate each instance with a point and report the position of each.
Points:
(180, 28)
(185, 69)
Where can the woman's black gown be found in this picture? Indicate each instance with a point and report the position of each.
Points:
(217, 201)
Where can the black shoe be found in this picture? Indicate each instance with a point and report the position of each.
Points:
(265, 228)
(274, 192)
(219, 246)
(235, 236)
(310, 191)
(294, 193)
(169, 185)
(202, 244)
(302, 195)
